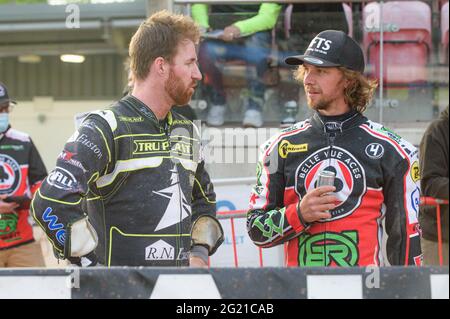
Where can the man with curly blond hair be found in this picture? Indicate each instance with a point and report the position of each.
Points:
(326, 184)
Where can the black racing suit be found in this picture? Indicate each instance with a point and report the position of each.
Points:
(377, 179)
(141, 182)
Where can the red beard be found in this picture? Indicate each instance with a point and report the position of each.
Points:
(176, 89)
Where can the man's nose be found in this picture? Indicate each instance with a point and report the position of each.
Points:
(308, 79)
(197, 75)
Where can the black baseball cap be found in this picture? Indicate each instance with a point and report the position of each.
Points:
(331, 48)
(4, 97)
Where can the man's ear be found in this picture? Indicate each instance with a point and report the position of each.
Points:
(160, 66)
(348, 82)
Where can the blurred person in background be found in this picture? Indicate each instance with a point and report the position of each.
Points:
(21, 173)
(302, 22)
(245, 35)
(434, 159)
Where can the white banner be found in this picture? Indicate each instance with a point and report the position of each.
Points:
(234, 194)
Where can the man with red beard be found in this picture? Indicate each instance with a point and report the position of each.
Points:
(130, 187)
(327, 184)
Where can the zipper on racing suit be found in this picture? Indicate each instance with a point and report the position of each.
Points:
(331, 129)
(164, 127)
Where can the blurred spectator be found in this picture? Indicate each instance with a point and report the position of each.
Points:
(302, 22)
(21, 173)
(434, 182)
(246, 36)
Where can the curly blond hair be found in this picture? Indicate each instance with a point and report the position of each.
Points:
(358, 94)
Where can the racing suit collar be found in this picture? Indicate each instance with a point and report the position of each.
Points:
(140, 107)
(338, 123)
(143, 109)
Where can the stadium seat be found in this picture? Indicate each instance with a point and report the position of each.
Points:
(407, 40)
(444, 33)
(349, 16)
(287, 17)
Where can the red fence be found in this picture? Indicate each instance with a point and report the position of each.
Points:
(424, 201)
(231, 215)
(430, 201)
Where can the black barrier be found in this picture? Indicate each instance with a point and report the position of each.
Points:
(231, 283)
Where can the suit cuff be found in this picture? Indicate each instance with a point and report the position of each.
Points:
(199, 251)
(295, 219)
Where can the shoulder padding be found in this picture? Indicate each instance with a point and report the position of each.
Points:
(108, 116)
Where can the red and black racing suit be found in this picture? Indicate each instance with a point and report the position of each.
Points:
(377, 175)
(21, 173)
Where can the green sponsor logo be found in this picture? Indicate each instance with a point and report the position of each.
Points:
(259, 188)
(290, 128)
(162, 146)
(151, 146)
(8, 223)
(394, 136)
(274, 222)
(12, 147)
(181, 122)
(132, 119)
(324, 248)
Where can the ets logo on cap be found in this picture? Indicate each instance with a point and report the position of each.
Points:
(319, 44)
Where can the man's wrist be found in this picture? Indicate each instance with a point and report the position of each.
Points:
(89, 260)
(300, 217)
(200, 252)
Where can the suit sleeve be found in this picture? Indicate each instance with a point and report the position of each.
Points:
(203, 195)
(59, 201)
(269, 222)
(36, 169)
(434, 163)
(402, 198)
(203, 203)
